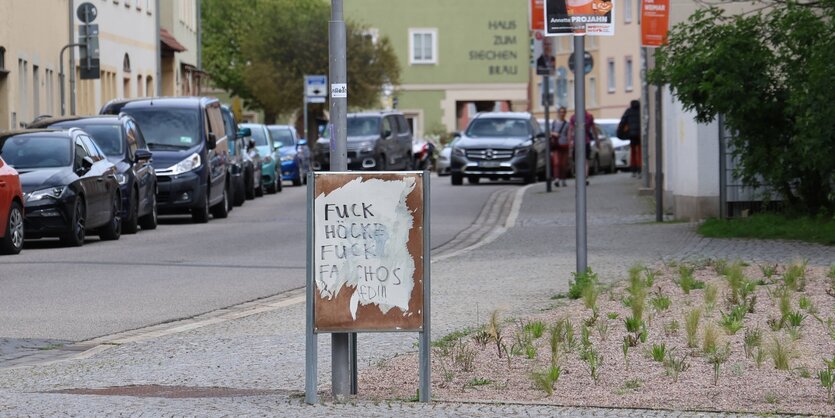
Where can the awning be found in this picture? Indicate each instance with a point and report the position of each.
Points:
(168, 41)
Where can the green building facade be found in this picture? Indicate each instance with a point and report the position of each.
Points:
(457, 57)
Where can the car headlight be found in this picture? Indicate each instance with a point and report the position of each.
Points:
(191, 163)
(286, 158)
(458, 151)
(48, 193)
(121, 178)
(268, 159)
(524, 148)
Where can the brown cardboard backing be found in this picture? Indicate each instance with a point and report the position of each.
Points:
(334, 315)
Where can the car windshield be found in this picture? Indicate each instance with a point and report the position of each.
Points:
(282, 136)
(258, 135)
(360, 126)
(168, 128)
(609, 128)
(37, 152)
(107, 137)
(498, 128)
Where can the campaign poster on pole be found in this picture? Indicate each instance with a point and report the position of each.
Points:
(579, 17)
(655, 22)
(537, 15)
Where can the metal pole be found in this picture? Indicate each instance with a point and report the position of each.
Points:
(341, 361)
(311, 343)
(723, 167)
(546, 95)
(158, 92)
(72, 58)
(644, 120)
(304, 106)
(659, 176)
(580, 149)
(425, 366)
(62, 76)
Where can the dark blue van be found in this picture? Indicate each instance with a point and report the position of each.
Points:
(188, 141)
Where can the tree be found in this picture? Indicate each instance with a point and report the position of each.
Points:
(271, 46)
(770, 74)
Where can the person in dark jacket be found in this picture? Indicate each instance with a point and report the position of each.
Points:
(630, 128)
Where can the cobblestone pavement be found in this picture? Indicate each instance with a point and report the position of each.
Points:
(517, 273)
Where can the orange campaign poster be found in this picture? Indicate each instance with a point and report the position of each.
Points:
(579, 17)
(537, 9)
(655, 21)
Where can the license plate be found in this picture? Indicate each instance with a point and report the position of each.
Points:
(489, 164)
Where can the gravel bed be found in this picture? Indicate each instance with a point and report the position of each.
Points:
(743, 386)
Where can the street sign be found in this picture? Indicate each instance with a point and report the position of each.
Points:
(88, 37)
(588, 62)
(86, 12)
(655, 22)
(579, 17)
(315, 88)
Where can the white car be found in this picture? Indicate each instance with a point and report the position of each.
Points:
(621, 146)
(443, 160)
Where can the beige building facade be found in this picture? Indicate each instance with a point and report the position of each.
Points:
(179, 23)
(29, 59)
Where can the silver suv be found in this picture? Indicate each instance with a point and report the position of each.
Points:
(376, 141)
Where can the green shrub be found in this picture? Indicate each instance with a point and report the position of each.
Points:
(687, 281)
(581, 281)
(658, 352)
(545, 380)
(752, 339)
(691, 326)
(535, 328)
(632, 324)
(660, 302)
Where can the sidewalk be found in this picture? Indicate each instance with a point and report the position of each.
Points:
(262, 355)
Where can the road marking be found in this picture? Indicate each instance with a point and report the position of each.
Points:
(486, 228)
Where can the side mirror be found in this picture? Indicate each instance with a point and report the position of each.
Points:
(143, 155)
(456, 135)
(250, 144)
(386, 134)
(277, 145)
(211, 141)
(244, 132)
(302, 142)
(86, 165)
(540, 135)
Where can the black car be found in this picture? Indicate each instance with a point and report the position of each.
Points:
(376, 141)
(240, 167)
(121, 140)
(190, 152)
(69, 185)
(499, 145)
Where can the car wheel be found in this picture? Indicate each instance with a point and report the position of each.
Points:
(473, 179)
(612, 165)
(298, 180)
(113, 230)
(381, 163)
(271, 188)
(259, 190)
(240, 194)
(529, 178)
(595, 166)
(131, 224)
(457, 179)
(279, 184)
(149, 221)
(200, 214)
(12, 241)
(74, 236)
(221, 210)
(249, 185)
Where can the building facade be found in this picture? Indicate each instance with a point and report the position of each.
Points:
(453, 67)
(179, 27)
(127, 51)
(29, 59)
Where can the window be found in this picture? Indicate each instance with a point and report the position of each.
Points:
(139, 86)
(50, 92)
(387, 127)
(423, 46)
(36, 91)
(592, 91)
(23, 86)
(2, 59)
(610, 75)
(627, 11)
(629, 74)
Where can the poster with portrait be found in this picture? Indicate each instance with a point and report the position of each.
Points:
(579, 17)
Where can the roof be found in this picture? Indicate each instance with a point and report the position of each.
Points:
(48, 122)
(116, 106)
(29, 132)
(169, 41)
(513, 115)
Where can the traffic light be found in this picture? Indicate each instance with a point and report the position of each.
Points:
(88, 37)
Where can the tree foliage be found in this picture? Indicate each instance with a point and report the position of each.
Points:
(771, 74)
(260, 50)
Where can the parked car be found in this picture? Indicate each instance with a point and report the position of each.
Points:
(11, 210)
(238, 164)
(270, 159)
(69, 185)
(499, 145)
(293, 165)
(252, 155)
(376, 141)
(621, 146)
(188, 141)
(122, 142)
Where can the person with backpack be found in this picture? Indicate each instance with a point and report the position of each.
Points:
(630, 128)
(590, 130)
(560, 146)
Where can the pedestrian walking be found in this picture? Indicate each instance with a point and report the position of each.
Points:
(630, 128)
(589, 134)
(560, 147)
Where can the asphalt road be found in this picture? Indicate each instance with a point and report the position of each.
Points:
(181, 269)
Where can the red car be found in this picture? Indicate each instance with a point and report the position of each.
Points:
(11, 210)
